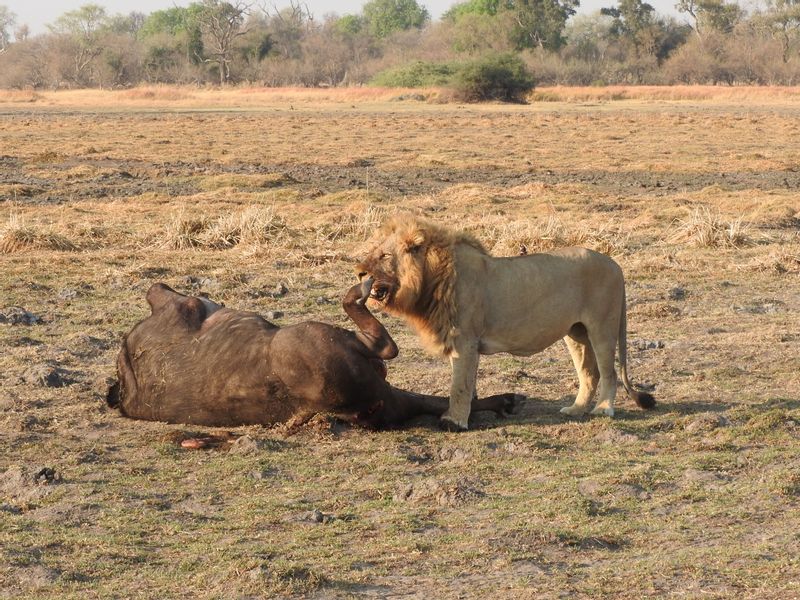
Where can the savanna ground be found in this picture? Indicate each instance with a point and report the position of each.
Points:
(262, 200)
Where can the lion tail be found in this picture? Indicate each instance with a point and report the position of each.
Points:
(641, 398)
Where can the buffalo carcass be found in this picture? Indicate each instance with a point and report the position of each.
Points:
(196, 362)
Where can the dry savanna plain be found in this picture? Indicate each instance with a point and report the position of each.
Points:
(263, 199)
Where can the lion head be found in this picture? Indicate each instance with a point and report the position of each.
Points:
(411, 263)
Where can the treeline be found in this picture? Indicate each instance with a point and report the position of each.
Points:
(395, 42)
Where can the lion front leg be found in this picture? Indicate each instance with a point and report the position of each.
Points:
(464, 365)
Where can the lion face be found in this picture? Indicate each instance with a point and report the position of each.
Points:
(396, 263)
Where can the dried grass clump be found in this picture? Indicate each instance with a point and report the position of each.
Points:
(353, 224)
(16, 236)
(784, 260)
(252, 226)
(183, 232)
(706, 229)
(518, 237)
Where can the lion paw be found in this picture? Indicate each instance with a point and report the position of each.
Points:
(603, 410)
(448, 424)
(574, 410)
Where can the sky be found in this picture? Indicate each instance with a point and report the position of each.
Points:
(38, 13)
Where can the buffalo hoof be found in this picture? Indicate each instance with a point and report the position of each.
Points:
(447, 424)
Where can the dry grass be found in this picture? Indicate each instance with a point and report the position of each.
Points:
(19, 96)
(18, 236)
(697, 498)
(510, 239)
(705, 228)
(251, 226)
(675, 93)
(254, 97)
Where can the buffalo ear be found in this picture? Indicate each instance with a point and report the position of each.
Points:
(159, 295)
(193, 312)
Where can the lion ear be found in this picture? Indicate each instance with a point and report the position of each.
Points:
(414, 241)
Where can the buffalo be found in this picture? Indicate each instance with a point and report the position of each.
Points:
(196, 362)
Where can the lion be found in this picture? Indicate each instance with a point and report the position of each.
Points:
(464, 302)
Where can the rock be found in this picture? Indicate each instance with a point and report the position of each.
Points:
(16, 315)
(615, 437)
(704, 422)
(272, 315)
(280, 290)
(763, 307)
(450, 492)
(640, 344)
(67, 294)
(317, 516)
(244, 445)
(46, 375)
(451, 454)
(677, 293)
(259, 573)
(263, 474)
(708, 479)
(23, 485)
(323, 300)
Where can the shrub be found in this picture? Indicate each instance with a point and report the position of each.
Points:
(493, 77)
(416, 74)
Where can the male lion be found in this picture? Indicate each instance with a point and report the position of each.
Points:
(464, 303)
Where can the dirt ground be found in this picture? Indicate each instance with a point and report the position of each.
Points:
(264, 205)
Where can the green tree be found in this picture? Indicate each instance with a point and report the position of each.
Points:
(472, 7)
(7, 20)
(540, 23)
(531, 23)
(782, 18)
(384, 17)
(83, 28)
(711, 15)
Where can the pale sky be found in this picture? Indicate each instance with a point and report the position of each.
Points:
(38, 13)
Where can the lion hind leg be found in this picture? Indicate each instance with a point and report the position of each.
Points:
(580, 349)
(604, 350)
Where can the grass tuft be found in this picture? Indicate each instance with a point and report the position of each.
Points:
(705, 228)
(17, 236)
(252, 226)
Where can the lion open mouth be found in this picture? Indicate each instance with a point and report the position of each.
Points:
(380, 292)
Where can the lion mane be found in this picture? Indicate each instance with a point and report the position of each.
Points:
(426, 293)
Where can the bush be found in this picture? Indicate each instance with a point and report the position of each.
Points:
(416, 74)
(493, 77)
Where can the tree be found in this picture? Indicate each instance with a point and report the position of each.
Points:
(7, 20)
(782, 18)
(635, 22)
(540, 23)
(531, 23)
(221, 23)
(82, 28)
(716, 15)
(384, 17)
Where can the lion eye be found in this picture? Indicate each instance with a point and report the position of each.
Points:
(386, 256)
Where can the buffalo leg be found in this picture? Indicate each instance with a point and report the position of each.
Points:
(405, 405)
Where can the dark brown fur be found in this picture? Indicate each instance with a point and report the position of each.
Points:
(193, 362)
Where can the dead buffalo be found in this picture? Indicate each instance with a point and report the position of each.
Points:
(194, 361)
